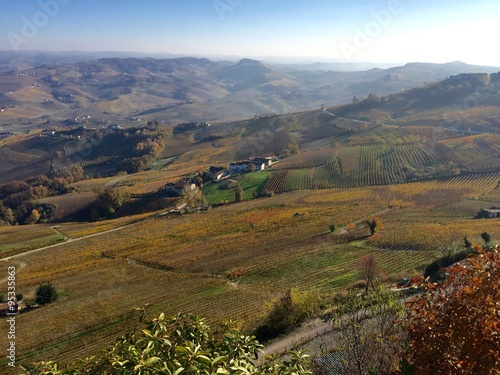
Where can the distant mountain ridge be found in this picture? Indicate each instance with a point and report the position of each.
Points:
(186, 89)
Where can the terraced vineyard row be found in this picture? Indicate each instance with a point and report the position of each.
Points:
(422, 195)
(375, 165)
(98, 161)
(436, 117)
(410, 236)
(418, 133)
(362, 140)
(145, 205)
(210, 297)
(440, 192)
(329, 267)
(277, 182)
(306, 160)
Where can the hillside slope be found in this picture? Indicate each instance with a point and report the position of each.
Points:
(191, 89)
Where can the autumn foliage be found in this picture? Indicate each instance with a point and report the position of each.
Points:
(454, 327)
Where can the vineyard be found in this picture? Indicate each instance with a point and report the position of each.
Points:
(394, 135)
(138, 206)
(98, 161)
(425, 195)
(478, 116)
(69, 205)
(410, 236)
(385, 164)
(230, 261)
(18, 239)
(424, 174)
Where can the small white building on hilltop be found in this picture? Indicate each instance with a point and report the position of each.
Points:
(259, 163)
(489, 213)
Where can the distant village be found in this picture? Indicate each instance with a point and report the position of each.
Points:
(190, 126)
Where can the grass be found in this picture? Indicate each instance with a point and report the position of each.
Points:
(251, 183)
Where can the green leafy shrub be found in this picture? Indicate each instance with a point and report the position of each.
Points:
(288, 311)
(183, 344)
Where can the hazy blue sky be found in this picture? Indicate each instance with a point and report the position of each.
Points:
(350, 30)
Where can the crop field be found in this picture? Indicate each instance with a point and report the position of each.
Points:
(306, 160)
(390, 134)
(18, 239)
(410, 235)
(429, 194)
(462, 116)
(376, 165)
(424, 182)
(77, 230)
(229, 261)
(70, 204)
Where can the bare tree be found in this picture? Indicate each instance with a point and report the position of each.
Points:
(369, 271)
(370, 332)
(238, 194)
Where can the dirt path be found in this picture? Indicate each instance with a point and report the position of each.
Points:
(70, 240)
(19, 266)
(350, 119)
(305, 333)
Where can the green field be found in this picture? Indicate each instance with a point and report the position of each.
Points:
(250, 183)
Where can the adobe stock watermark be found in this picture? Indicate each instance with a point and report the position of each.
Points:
(48, 9)
(11, 316)
(363, 37)
(223, 6)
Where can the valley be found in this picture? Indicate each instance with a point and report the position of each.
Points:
(423, 162)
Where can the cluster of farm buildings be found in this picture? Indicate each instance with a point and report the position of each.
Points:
(259, 163)
(217, 173)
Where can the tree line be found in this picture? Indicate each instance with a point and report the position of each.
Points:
(18, 200)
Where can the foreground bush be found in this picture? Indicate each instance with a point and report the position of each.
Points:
(454, 326)
(287, 312)
(181, 345)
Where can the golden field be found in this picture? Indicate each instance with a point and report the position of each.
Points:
(228, 262)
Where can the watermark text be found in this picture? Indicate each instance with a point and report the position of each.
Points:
(31, 25)
(11, 314)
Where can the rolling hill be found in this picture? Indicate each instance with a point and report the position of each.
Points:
(191, 89)
(423, 161)
(432, 125)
